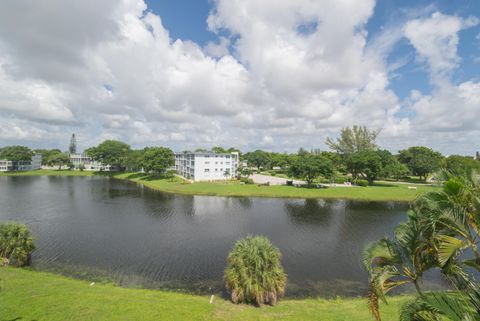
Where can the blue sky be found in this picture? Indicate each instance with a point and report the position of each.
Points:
(187, 20)
(270, 74)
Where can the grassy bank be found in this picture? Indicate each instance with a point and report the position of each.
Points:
(380, 192)
(31, 295)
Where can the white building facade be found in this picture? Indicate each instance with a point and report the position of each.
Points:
(87, 162)
(207, 166)
(34, 163)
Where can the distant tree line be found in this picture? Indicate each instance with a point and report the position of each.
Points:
(354, 155)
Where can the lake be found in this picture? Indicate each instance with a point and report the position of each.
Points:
(107, 229)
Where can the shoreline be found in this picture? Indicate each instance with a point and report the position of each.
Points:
(396, 192)
(32, 294)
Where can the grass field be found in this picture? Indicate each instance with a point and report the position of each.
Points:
(32, 295)
(380, 192)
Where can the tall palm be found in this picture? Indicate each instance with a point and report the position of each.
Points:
(398, 261)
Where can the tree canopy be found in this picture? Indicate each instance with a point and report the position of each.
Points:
(158, 159)
(309, 167)
(421, 160)
(16, 153)
(355, 139)
(110, 152)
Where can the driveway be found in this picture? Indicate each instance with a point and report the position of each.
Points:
(272, 180)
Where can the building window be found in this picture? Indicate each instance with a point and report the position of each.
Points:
(207, 170)
(207, 163)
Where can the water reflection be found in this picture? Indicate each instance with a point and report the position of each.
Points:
(124, 231)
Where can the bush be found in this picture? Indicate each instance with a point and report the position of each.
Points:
(254, 273)
(362, 182)
(246, 180)
(16, 244)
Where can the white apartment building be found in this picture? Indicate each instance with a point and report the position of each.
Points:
(88, 163)
(34, 163)
(206, 166)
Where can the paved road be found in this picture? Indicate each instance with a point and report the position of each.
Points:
(273, 180)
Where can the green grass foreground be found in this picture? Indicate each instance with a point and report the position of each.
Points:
(379, 192)
(32, 295)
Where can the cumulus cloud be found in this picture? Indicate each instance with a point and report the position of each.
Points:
(282, 74)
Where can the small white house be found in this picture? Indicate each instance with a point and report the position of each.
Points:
(207, 166)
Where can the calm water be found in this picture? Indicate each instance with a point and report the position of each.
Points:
(98, 227)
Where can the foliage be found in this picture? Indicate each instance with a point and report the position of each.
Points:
(365, 163)
(421, 161)
(110, 152)
(58, 159)
(362, 183)
(133, 161)
(246, 180)
(258, 158)
(461, 165)
(442, 232)
(309, 167)
(355, 139)
(254, 273)
(16, 153)
(72, 149)
(158, 159)
(47, 154)
(16, 243)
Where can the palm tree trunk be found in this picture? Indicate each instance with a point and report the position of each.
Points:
(417, 287)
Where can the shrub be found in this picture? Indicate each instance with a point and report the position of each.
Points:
(246, 180)
(362, 182)
(254, 273)
(16, 244)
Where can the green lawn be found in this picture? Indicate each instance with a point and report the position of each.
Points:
(380, 192)
(31, 295)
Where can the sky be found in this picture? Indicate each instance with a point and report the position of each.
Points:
(272, 74)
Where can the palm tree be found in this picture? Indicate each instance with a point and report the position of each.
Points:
(254, 273)
(398, 261)
(16, 244)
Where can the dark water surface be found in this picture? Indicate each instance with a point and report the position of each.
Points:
(107, 228)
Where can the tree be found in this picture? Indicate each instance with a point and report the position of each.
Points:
(421, 161)
(16, 244)
(254, 273)
(72, 149)
(219, 150)
(158, 159)
(365, 163)
(355, 139)
(258, 158)
(110, 152)
(58, 159)
(394, 262)
(226, 174)
(391, 167)
(133, 161)
(309, 167)
(46, 154)
(16, 153)
(461, 165)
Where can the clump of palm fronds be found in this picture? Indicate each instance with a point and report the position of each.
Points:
(254, 273)
(16, 244)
